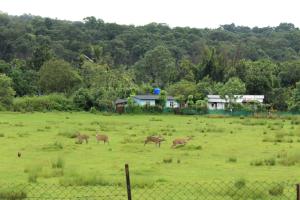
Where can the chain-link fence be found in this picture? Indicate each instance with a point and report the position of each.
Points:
(216, 190)
(56, 192)
(161, 190)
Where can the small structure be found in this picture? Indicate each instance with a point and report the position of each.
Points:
(152, 100)
(215, 102)
(149, 99)
(120, 105)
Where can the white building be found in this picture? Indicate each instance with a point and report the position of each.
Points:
(215, 102)
(150, 100)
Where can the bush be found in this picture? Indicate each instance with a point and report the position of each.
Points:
(276, 190)
(104, 105)
(13, 194)
(167, 160)
(83, 99)
(58, 163)
(232, 159)
(266, 162)
(42, 103)
(2, 135)
(240, 183)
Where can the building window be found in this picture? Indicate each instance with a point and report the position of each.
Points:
(171, 104)
(214, 105)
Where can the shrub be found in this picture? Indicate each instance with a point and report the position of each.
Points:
(270, 162)
(43, 103)
(167, 160)
(232, 159)
(2, 135)
(257, 163)
(93, 110)
(83, 99)
(240, 183)
(276, 190)
(58, 163)
(13, 193)
(266, 162)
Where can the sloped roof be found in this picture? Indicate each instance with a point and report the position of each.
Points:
(119, 101)
(239, 98)
(151, 97)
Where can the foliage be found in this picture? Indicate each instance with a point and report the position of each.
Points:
(6, 91)
(295, 102)
(157, 67)
(43, 103)
(58, 76)
(162, 99)
(109, 61)
(83, 99)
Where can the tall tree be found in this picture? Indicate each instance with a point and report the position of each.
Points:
(58, 76)
(157, 67)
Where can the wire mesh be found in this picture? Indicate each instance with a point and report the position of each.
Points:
(214, 190)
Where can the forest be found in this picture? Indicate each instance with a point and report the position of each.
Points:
(89, 64)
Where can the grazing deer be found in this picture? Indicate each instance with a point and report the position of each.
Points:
(155, 139)
(180, 141)
(103, 138)
(82, 137)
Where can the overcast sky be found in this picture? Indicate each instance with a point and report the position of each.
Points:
(193, 13)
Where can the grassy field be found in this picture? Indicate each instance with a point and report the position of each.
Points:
(223, 149)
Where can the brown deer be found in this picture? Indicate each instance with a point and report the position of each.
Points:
(82, 137)
(180, 141)
(103, 138)
(154, 139)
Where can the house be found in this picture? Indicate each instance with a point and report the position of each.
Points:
(149, 99)
(215, 102)
(152, 100)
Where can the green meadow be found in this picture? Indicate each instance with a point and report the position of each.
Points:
(222, 149)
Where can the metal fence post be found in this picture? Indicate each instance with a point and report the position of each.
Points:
(128, 187)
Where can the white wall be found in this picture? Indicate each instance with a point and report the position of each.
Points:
(152, 103)
(175, 104)
(144, 102)
(216, 106)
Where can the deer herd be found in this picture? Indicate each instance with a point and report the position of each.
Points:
(153, 139)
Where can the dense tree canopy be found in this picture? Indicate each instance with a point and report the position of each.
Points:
(107, 60)
(6, 91)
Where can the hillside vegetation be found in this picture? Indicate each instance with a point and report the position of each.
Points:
(96, 62)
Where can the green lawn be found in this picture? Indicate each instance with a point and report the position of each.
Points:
(221, 149)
